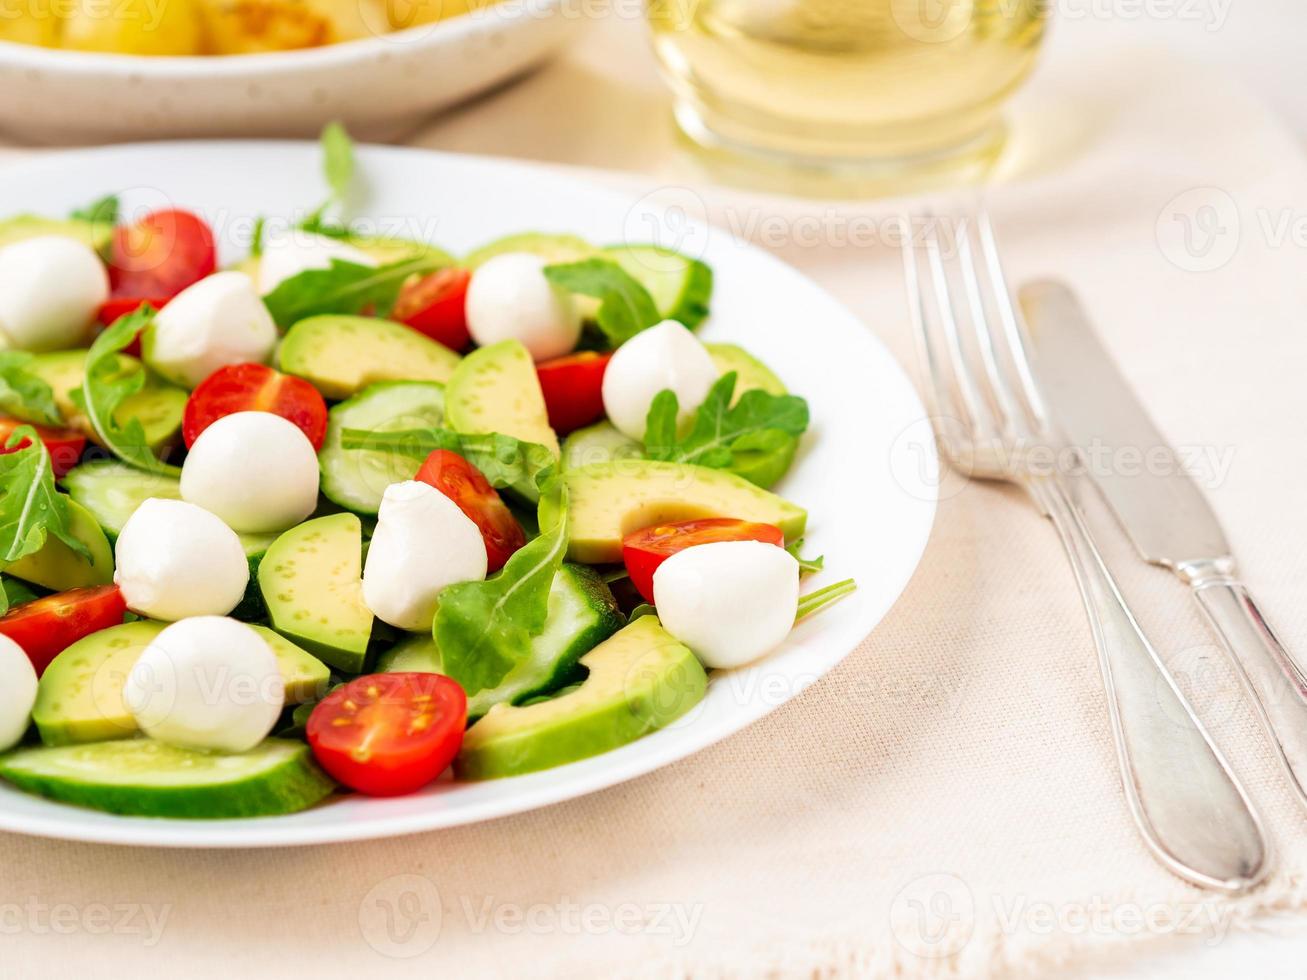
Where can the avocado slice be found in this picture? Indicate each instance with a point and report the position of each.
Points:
(495, 389)
(157, 406)
(750, 373)
(56, 566)
(555, 249)
(610, 500)
(386, 250)
(341, 355)
(641, 679)
(23, 226)
(312, 582)
(80, 695)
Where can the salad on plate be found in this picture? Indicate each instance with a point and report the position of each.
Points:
(353, 512)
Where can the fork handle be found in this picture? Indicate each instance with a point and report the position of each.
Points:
(1188, 805)
(1277, 684)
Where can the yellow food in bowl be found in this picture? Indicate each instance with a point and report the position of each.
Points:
(216, 27)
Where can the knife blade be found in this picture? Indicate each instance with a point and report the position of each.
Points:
(1161, 508)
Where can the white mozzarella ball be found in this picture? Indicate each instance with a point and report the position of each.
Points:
(666, 356)
(729, 601)
(176, 560)
(217, 321)
(422, 543)
(255, 470)
(509, 298)
(51, 287)
(294, 251)
(208, 682)
(17, 692)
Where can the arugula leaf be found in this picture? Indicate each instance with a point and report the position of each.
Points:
(338, 169)
(484, 629)
(22, 394)
(807, 566)
(506, 462)
(815, 602)
(104, 211)
(759, 425)
(257, 236)
(344, 287)
(106, 386)
(625, 306)
(31, 508)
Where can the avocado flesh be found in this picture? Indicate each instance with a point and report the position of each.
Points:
(157, 406)
(341, 355)
(640, 680)
(750, 373)
(495, 389)
(312, 582)
(608, 501)
(80, 695)
(56, 566)
(23, 226)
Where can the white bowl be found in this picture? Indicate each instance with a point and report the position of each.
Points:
(380, 87)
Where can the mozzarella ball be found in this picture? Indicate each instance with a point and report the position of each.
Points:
(255, 470)
(509, 298)
(17, 692)
(51, 288)
(422, 543)
(288, 254)
(666, 356)
(208, 682)
(217, 321)
(176, 560)
(730, 601)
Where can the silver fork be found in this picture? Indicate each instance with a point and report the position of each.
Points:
(991, 424)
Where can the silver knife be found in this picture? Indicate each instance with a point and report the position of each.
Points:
(1162, 509)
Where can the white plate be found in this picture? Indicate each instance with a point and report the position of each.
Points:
(379, 87)
(868, 489)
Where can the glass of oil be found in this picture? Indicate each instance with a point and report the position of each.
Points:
(890, 87)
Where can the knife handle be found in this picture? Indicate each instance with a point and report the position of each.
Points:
(1276, 683)
(1186, 802)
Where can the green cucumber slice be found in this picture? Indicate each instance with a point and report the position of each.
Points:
(598, 443)
(582, 614)
(680, 286)
(145, 778)
(355, 478)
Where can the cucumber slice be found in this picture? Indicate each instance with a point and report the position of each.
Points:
(145, 778)
(112, 491)
(342, 355)
(555, 249)
(356, 479)
(582, 614)
(680, 286)
(598, 443)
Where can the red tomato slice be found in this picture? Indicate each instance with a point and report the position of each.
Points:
(389, 734)
(254, 388)
(160, 255)
(573, 389)
(46, 627)
(114, 308)
(643, 551)
(64, 445)
(435, 305)
(463, 483)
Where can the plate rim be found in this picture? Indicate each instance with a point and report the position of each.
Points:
(540, 789)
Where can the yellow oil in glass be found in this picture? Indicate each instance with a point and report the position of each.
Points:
(887, 83)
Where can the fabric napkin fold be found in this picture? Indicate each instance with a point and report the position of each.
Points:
(946, 802)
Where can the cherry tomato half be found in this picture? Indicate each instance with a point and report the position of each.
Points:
(114, 308)
(463, 483)
(46, 627)
(254, 388)
(389, 734)
(65, 445)
(643, 551)
(573, 389)
(160, 255)
(435, 305)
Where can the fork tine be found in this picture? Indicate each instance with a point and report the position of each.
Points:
(939, 391)
(976, 408)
